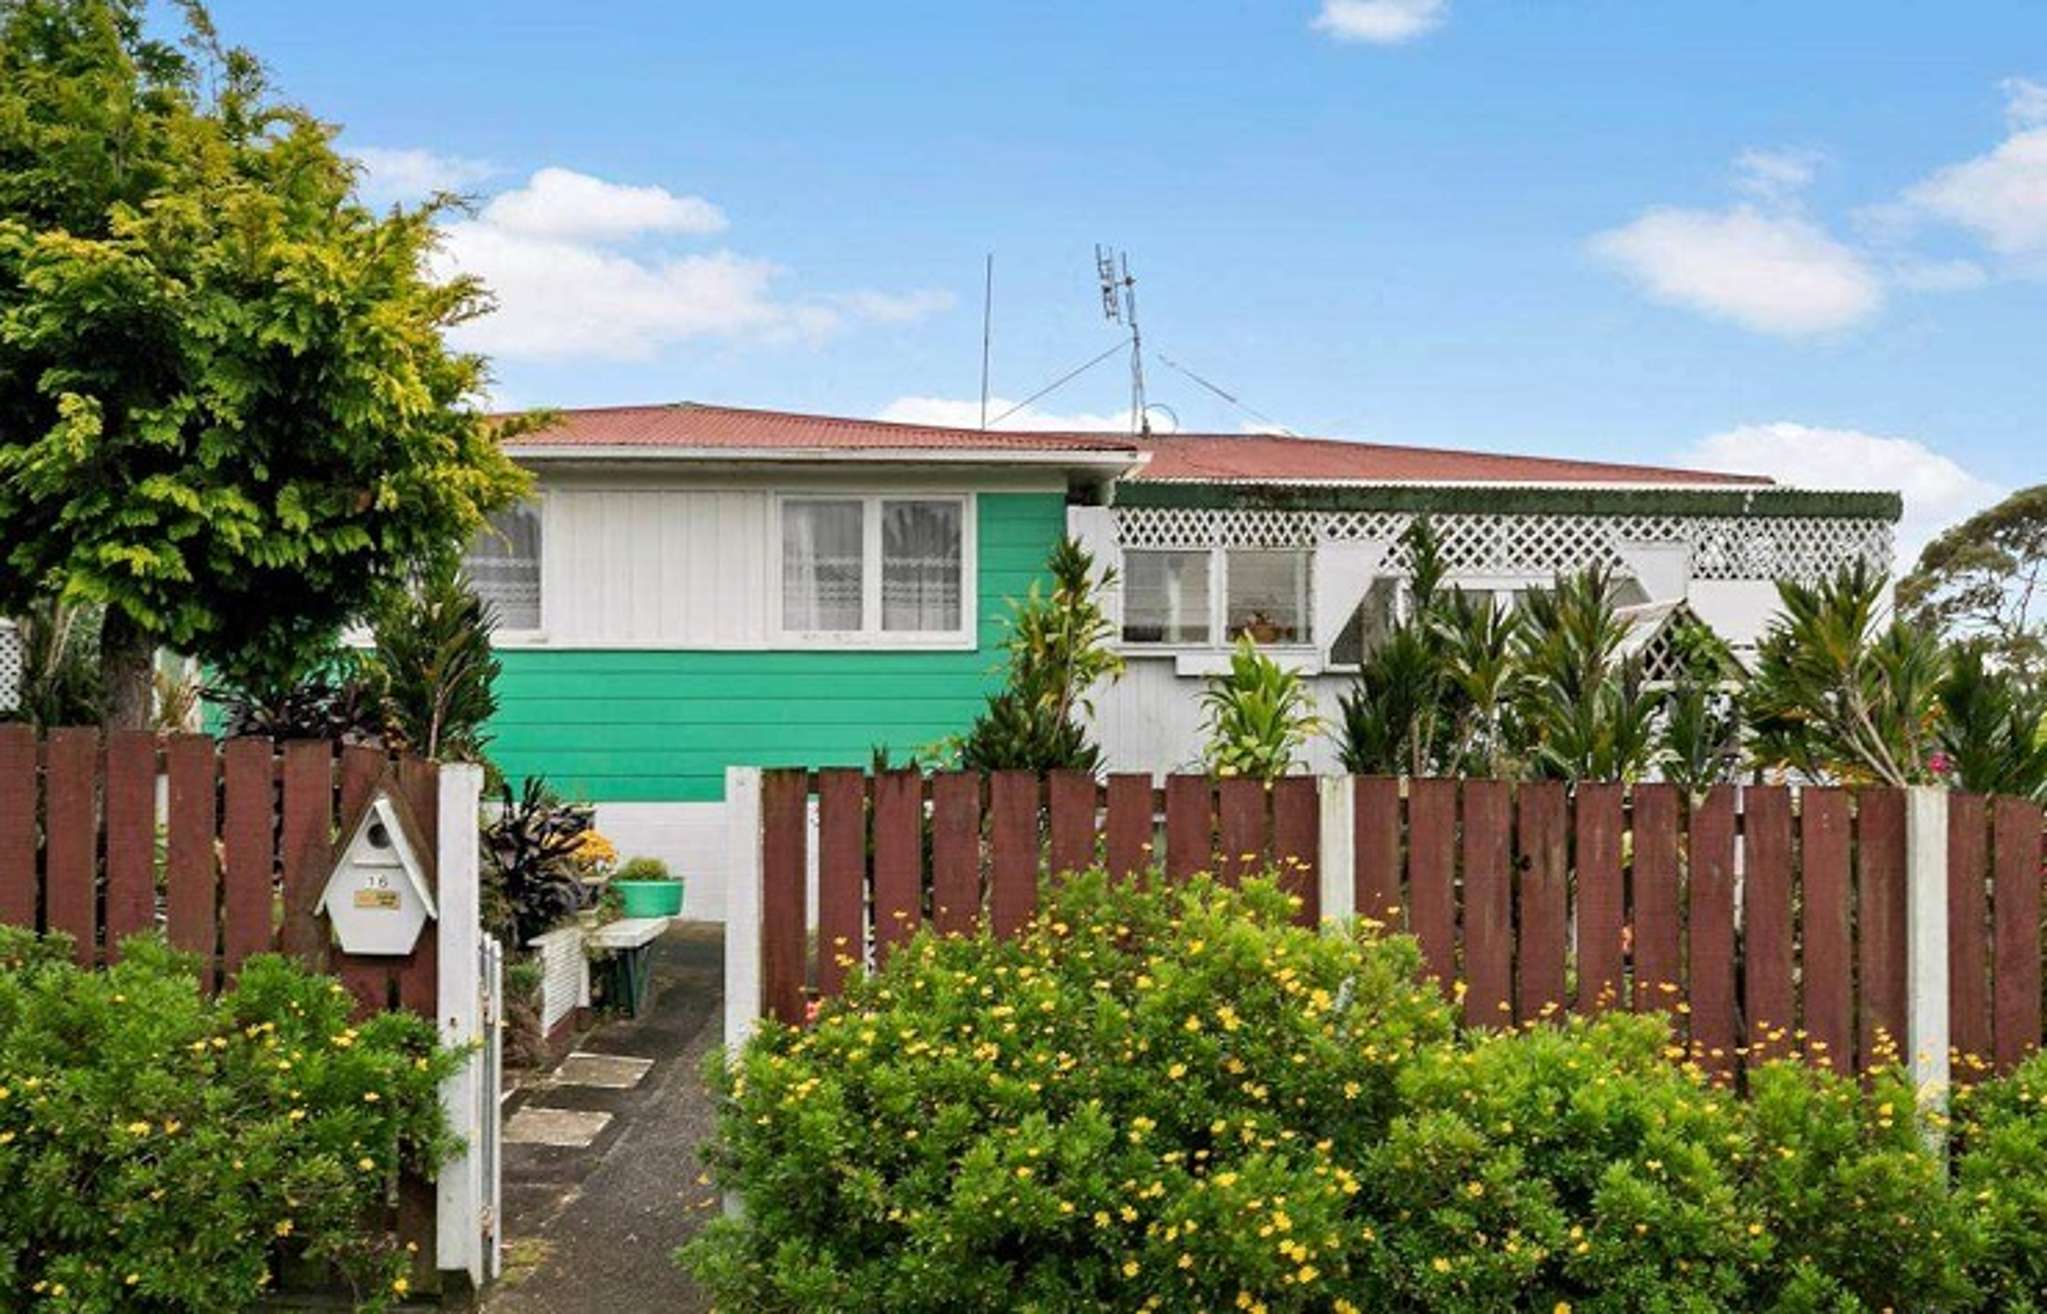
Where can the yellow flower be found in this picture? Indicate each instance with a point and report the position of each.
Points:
(1130, 1268)
(401, 1286)
(283, 1227)
(367, 1164)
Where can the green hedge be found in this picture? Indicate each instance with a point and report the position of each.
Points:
(1175, 1100)
(163, 1151)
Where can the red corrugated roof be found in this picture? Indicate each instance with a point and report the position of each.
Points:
(695, 425)
(1258, 458)
(1220, 458)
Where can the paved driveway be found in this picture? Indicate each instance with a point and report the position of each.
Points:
(590, 1228)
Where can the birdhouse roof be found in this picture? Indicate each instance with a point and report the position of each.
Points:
(407, 839)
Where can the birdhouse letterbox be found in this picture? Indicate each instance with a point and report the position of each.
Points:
(377, 899)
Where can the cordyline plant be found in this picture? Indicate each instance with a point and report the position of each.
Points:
(228, 416)
(1844, 692)
(1587, 711)
(1057, 651)
(433, 647)
(1392, 718)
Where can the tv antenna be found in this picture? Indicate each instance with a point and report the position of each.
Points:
(1119, 306)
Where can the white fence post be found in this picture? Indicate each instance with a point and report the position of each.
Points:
(460, 1215)
(1926, 945)
(1337, 874)
(742, 905)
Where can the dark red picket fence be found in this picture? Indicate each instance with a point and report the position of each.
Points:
(1765, 920)
(223, 845)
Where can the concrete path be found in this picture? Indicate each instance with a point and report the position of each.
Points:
(601, 1160)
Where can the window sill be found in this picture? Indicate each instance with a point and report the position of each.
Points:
(1205, 660)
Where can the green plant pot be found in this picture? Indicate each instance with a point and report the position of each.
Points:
(649, 898)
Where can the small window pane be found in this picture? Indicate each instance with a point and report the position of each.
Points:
(503, 566)
(920, 566)
(822, 549)
(1165, 597)
(1268, 596)
(1369, 624)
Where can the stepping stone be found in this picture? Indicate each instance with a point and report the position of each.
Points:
(603, 1071)
(568, 1128)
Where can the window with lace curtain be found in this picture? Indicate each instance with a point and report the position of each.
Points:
(503, 567)
(875, 570)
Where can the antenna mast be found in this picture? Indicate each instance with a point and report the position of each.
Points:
(1119, 306)
(987, 332)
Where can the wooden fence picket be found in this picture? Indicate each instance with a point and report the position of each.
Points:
(1769, 940)
(841, 876)
(1601, 823)
(1765, 920)
(130, 812)
(1968, 889)
(70, 838)
(2015, 826)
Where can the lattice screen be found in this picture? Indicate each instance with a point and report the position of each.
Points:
(10, 664)
(1721, 547)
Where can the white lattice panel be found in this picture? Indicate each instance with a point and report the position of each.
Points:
(11, 659)
(1720, 547)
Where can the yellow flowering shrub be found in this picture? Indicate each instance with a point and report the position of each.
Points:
(162, 1151)
(1171, 1099)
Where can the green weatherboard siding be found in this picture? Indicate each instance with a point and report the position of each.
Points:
(646, 726)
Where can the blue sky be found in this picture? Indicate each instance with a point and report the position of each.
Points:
(1809, 239)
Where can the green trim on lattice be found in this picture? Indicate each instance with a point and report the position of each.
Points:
(1767, 503)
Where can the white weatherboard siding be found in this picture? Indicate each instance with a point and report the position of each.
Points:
(667, 567)
(1151, 719)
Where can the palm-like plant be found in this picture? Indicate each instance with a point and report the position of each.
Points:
(1585, 706)
(1395, 715)
(1482, 675)
(433, 648)
(1058, 650)
(1991, 727)
(1260, 715)
(1702, 741)
(1844, 692)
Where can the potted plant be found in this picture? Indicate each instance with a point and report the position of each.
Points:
(647, 889)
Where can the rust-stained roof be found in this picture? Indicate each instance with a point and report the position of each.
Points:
(1193, 457)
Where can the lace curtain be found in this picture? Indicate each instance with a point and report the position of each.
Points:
(822, 545)
(920, 566)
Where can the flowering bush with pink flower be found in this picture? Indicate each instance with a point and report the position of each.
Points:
(163, 1151)
(1170, 1098)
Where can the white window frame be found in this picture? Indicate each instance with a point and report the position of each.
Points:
(871, 636)
(507, 636)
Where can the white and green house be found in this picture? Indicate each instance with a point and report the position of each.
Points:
(698, 587)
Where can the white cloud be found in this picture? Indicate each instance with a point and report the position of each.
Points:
(1938, 492)
(1775, 175)
(569, 260)
(409, 174)
(561, 203)
(1381, 22)
(2025, 102)
(894, 307)
(965, 413)
(1938, 275)
(2001, 197)
(1773, 272)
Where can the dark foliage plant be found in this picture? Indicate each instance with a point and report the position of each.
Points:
(529, 851)
(1993, 726)
(341, 700)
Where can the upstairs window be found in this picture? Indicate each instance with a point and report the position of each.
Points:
(1166, 597)
(878, 570)
(1266, 596)
(1198, 597)
(503, 567)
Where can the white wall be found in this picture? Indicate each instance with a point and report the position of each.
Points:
(1151, 719)
(640, 567)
